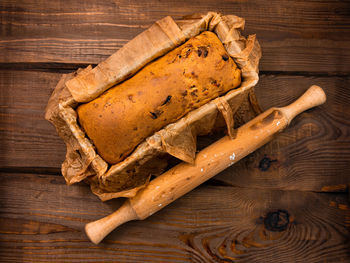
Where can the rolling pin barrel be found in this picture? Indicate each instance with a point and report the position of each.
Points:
(210, 161)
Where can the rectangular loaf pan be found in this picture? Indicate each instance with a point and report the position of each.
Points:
(178, 139)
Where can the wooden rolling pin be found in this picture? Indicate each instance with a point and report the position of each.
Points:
(215, 158)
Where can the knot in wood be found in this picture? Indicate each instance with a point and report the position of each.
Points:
(277, 221)
(265, 163)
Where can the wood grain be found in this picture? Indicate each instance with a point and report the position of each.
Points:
(253, 226)
(296, 36)
(312, 154)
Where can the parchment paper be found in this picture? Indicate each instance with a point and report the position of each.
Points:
(178, 139)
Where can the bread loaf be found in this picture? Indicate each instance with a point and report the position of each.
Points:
(161, 93)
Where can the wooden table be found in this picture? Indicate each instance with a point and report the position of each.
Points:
(287, 202)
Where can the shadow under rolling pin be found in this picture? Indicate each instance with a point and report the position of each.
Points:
(210, 161)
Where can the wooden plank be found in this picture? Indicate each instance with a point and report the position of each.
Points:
(28, 140)
(42, 220)
(295, 36)
(312, 154)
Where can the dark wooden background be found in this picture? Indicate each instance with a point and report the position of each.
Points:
(287, 202)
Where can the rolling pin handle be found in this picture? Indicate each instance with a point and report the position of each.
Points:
(313, 97)
(98, 230)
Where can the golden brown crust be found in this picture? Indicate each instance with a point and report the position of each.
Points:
(161, 93)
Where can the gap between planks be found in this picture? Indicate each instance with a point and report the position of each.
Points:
(70, 67)
(211, 182)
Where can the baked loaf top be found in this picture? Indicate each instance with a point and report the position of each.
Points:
(160, 93)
